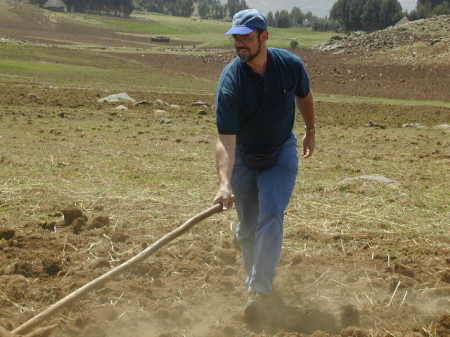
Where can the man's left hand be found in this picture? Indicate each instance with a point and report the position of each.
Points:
(309, 141)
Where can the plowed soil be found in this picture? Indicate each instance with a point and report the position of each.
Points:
(84, 187)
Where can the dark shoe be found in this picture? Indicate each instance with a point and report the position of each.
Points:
(255, 308)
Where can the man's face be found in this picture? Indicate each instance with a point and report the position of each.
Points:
(247, 46)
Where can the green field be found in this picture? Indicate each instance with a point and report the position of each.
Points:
(205, 33)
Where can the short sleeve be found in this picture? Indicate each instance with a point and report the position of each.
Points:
(227, 117)
(303, 85)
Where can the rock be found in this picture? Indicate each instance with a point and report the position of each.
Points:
(165, 121)
(202, 112)
(413, 125)
(99, 222)
(7, 234)
(445, 276)
(354, 332)
(100, 263)
(159, 112)
(376, 125)
(404, 270)
(121, 108)
(226, 256)
(200, 103)
(350, 316)
(70, 214)
(378, 178)
(444, 126)
(25, 269)
(174, 106)
(161, 102)
(119, 237)
(144, 102)
(79, 224)
(51, 267)
(33, 97)
(122, 97)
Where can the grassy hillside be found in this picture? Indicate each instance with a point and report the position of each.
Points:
(206, 33)
(107, 52)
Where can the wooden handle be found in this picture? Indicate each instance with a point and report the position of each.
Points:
(25, 327)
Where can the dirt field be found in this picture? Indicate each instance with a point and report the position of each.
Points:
(361, 257)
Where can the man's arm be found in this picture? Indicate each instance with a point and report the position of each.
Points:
(306, 107)
(225, 151)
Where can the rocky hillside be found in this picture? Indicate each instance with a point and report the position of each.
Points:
(426, 37)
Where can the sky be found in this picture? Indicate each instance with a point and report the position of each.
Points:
(317, 7)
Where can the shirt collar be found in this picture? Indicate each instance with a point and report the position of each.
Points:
(269, 66)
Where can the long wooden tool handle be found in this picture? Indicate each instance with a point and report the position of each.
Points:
(25, 327)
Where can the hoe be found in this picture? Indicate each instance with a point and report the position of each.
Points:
(25, 328)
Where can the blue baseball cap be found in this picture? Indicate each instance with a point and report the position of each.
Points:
(246, 21)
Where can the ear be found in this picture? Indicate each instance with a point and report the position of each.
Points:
(264, 36)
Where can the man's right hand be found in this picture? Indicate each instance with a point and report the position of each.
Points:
(225, 197)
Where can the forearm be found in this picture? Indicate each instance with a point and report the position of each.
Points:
(225, 152)
(306, 107)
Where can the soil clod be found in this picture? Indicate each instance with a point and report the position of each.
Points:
(70, 214)
(7, 234)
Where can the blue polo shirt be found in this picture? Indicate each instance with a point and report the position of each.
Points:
(260, 110)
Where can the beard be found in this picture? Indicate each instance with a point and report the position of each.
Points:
(248, 57)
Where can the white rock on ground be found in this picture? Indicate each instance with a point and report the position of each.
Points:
(117, 98)
(121, 108)
(378, 178)
(413, 125)
(444, 126)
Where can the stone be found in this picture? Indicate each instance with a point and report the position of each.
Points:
(144, 102)
(444, 126)
(376, 125)
(200, 103)
(121, 108)
(165, 121)
(378, 178)
(413, 125)
(70, 214)
(122, 97)
(161, 102)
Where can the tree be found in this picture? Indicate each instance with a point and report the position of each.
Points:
(217, 10)
(235, 6)
(283, 20)
(390, 12)
(204, 9)
(428, 8)
(109, 7)
(271, 20)
(297, 16)
(366, 14)
(371, 15)
(442, 9)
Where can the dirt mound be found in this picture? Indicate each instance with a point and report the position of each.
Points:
(434, 33)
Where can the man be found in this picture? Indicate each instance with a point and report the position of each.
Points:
(256, 151)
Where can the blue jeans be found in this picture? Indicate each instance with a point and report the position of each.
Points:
(261, 198)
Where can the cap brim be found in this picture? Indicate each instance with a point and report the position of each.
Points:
(239, 30)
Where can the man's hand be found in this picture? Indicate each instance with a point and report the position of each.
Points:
(306, 106)
(309, 141)
(225, 151)
(225, 197)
